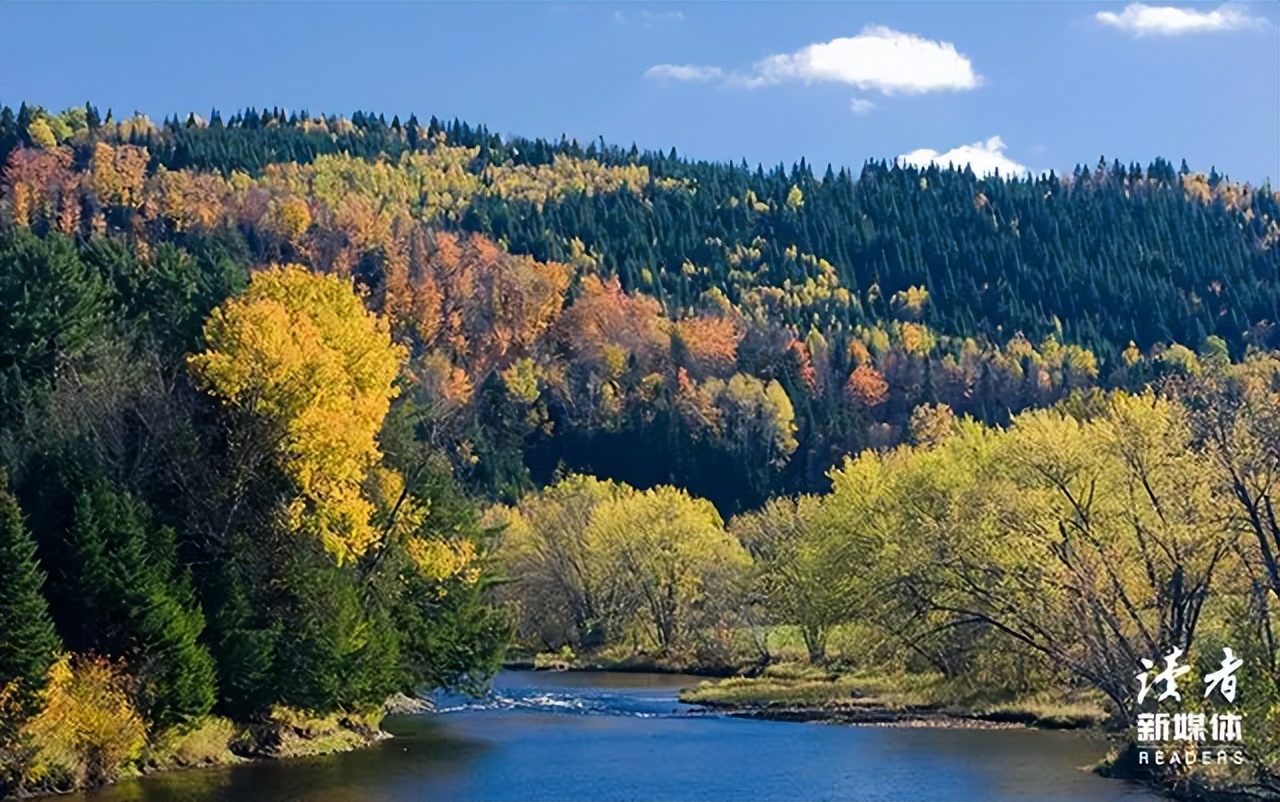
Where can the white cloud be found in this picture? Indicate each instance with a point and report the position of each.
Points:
(983, 157)
(684, 72)
(1141, 19)
(860, 105)
(877, 59)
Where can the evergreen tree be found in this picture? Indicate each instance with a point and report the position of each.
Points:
(118, 587)
(142, 605)
(244, 645)
(54, 306)
(333, 654)
(29, 643)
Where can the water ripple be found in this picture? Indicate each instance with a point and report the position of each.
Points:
(591, 703)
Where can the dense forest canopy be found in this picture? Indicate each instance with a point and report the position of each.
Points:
(861, 296)
(258, 374)
(1107, 255)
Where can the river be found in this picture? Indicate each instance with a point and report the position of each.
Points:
(598, 736)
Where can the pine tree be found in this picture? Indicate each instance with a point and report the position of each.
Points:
(334, 654)
(28, 642)
(124, 596)
(244, 646)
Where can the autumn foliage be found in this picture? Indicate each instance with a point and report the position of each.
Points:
(867, 386)
(301, 351)
(88, 730)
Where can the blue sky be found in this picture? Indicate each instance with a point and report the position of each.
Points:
(1033, 84)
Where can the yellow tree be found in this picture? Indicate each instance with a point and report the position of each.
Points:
(930, 424)
(1094, 543)
(41, 134)
(117, 175)
(288, 219)
(301, 351)
(757, 418)
(668, 560)
(1236, 413)
(544, 549)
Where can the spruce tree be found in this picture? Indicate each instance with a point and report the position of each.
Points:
(333, 654)
(135, 603)
(28, 641)
(244, 645)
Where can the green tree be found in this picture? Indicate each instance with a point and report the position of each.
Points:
(666, 559)
(810, 559)
(54, 306)
(451, 634)
(244, 638)
(121, 592)
(332, 652)
(29, 645)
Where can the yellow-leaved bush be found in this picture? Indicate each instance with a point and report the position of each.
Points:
(300, 349)
(88, 731)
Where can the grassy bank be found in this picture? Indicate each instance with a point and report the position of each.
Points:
(800, 692)
(215, 741)
(288, 733)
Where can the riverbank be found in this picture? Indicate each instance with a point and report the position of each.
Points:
(217, 741)
(803, 693)
(628, 665)
(1202, 783)
(794, 691)
(909, 701)
(592, 735)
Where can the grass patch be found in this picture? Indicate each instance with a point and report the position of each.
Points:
(298, 733)
(779, 687)
(796, 686)
(799, 672)
(554, 661)
(1054, 711)
(204, 744)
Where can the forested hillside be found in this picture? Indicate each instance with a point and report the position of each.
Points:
(860, 295)
(258, 375)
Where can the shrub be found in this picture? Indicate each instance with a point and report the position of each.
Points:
(554, 660)
(202, 744)
(15, 748)
(88, 732)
